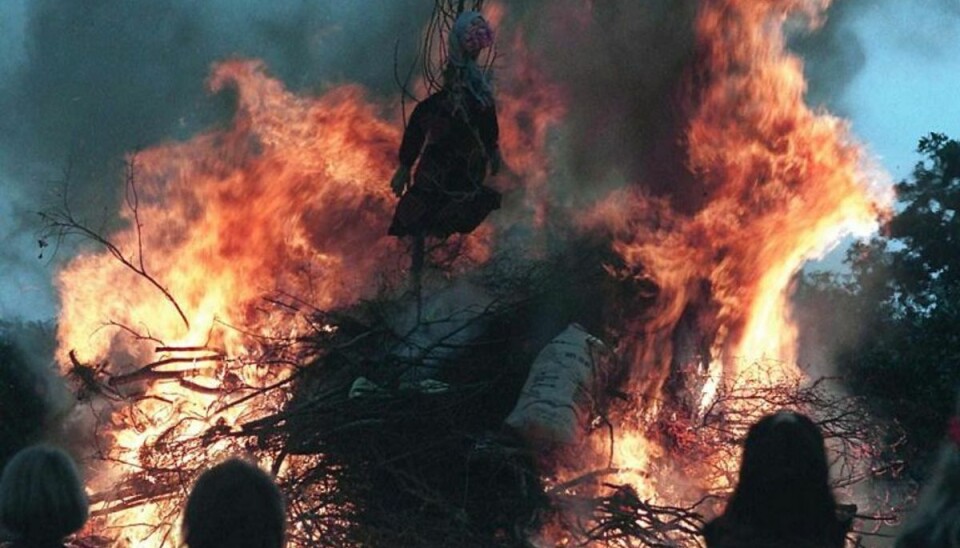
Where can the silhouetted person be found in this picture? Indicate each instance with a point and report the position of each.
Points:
(783, 497)
(234, 505)
(936, 521)
(42, 500)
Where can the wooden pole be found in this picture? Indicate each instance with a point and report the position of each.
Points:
(419, 250)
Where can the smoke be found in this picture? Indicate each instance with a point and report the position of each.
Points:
(621, 64)
(835, 54)
(84, 83)
(448, 318)
(102, 78)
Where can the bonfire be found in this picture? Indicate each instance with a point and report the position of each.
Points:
(254, 305)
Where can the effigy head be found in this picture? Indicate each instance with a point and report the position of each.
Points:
(471, 34)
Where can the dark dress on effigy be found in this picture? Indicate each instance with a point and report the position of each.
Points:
(455, 136)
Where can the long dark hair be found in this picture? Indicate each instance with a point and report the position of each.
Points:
(783, 489)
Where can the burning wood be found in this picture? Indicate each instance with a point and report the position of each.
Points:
(418, 468)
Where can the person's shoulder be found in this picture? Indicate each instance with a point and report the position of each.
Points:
(720, 533)
(724, 533)
(436, 97)
(431, 105)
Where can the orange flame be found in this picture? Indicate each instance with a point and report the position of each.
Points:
(781, 184)
(785, 182)
(233, 215)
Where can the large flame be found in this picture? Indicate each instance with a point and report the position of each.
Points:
(785, 183)
(290, 200)
(232, 215)
(781, 184)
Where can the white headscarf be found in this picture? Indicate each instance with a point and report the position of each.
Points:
(471, 76)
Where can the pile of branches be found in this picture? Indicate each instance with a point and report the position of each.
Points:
(400, 436)
(387, 429)
(405, 438)
(595, 512)
(861, 450)
(401, 421)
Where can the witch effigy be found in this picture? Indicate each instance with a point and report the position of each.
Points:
(454, 135)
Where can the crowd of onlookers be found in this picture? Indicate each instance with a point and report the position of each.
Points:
(782, 499)
(234, 504)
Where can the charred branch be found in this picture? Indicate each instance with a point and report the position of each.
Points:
(150, 371)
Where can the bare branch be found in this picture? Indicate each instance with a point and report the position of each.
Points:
(61, 223)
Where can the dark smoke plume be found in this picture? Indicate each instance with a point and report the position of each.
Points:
(621, 66)
(834, 54)
(103, 78)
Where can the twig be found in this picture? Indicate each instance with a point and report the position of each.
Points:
(63, 223)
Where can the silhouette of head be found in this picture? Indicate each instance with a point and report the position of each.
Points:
(235, 505)
(42, 499)
(783, 488)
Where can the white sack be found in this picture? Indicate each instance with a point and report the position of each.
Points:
(556, 402)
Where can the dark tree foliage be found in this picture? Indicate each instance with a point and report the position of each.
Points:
(893, 323)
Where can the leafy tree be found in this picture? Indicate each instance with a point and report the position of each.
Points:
(893, 321)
